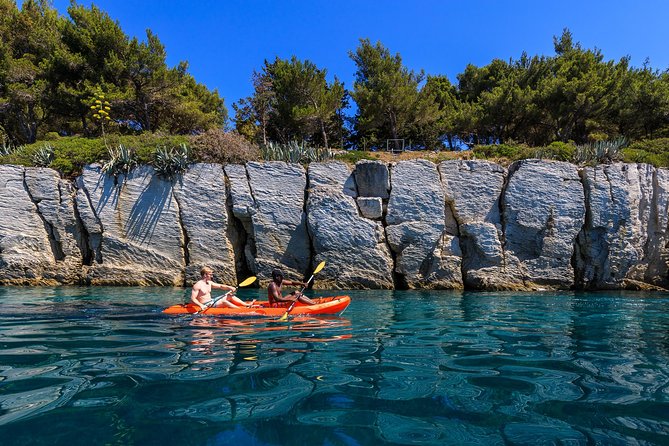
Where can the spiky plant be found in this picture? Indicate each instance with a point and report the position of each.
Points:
(294, 152)
(44, 156)
(169, 162)
(121, 160)
(601, 151)
(7, 148)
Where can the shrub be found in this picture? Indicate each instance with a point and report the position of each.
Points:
(657, 146)
(217, 146)
(7, 148)
(631, 155)
(353, 156)
(510, 151)
(557, 150)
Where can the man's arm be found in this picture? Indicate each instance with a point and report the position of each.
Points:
(220, 286)
(293, 283)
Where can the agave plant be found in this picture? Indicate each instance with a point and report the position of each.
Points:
(43, 156)
(601, 151)
(294, 152)
(121, 160)
(169, 162)
(7, 148)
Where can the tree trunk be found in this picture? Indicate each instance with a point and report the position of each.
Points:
(324, 133)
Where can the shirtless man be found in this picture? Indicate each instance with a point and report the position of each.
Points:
(201, 294)
(276, 299)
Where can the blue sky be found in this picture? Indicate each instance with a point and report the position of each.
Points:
(224, 41)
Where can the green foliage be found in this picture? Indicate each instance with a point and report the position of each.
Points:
(7, 148)
(173, 161)
(353, 156)
(557, 150)
(294, 152)
(509, 151)
(651, 151)
(51, 67)
(386, 92)
(121, 161)
(218, 146)
(658, 146)
(43, 156)
(292, 100)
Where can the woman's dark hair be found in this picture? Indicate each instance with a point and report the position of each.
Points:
(276, 273)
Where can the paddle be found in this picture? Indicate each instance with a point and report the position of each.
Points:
(211, 303)
(318, 268)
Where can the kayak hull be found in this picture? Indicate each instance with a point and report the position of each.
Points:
(324, 305)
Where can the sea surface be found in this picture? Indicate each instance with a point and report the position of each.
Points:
(98, 366)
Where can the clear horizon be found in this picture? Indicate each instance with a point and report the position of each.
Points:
(224, 42)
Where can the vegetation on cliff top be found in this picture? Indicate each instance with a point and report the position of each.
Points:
(73, 90)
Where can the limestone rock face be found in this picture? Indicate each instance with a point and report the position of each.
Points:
(243, 208)
(372, 179)
(427, 254)
(26, 255)
(353, 247)
(543, 212)
(655, 264)
(627, 206)
(473, 190)
(136, 219)
(202, 200)
(410, 224)
(370, 207)
(278, 218)
(54, 199)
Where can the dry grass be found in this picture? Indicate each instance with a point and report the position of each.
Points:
(429, 155)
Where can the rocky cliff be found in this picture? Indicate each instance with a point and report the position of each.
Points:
(411, 224)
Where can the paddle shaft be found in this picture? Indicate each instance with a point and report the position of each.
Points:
(212, 302)
(318, 268)
(301, 291)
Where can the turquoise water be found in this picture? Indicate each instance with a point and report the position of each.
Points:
(84, 366)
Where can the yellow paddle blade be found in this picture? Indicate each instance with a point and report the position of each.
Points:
(248, 281)
(320, 267)
(284, 317)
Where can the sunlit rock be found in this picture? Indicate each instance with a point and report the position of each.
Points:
(137, 217)
(353, 247)
(543, 212)
(627, 206)
(201, 195)
(278, 219)
(427, 251)
(25, 251)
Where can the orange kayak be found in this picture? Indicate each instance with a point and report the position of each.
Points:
(324, 305)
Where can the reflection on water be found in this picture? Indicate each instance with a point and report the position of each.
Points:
(104, 365)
